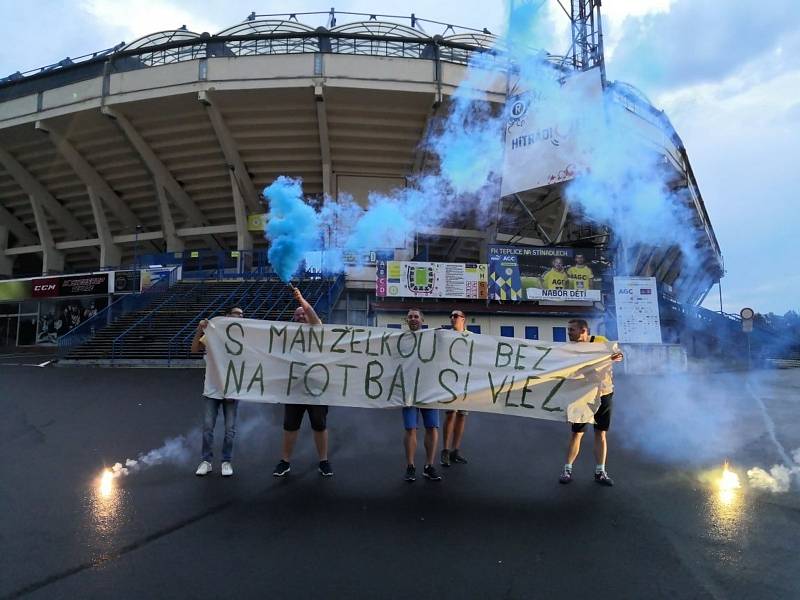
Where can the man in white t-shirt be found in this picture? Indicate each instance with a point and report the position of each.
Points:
(454, 420)
(212, 405)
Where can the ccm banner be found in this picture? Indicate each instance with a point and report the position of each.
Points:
(371, 367)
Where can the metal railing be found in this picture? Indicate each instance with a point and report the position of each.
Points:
(214, 264)
(119, 341)
(331, 296)
(110, 314)
(266, 35)
(178, 343)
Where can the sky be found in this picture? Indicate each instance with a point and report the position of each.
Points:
(726, 74)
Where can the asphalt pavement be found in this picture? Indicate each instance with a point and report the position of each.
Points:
(498, 527)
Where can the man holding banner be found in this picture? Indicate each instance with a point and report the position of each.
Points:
(454, 420)
(212, 406)
(578, 331)
(293, 413)
(430, 418)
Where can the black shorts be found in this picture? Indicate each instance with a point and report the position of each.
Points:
(602, 417)
(293, 416)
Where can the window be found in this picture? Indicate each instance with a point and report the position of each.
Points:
(531, 332)
(559, 334)
(506, 330)
(474, 328)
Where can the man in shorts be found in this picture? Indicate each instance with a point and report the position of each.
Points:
(293, 413)
(578, 331)
(211, 410)
(430, 418)
(454, 420)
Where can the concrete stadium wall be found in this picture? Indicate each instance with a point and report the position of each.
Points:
(244, 72)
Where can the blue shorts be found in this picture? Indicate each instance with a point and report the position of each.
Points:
(430, 417)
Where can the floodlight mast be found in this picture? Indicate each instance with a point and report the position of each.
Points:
(587, 36)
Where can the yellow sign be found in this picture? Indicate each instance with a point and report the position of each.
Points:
(195, 255)
(235, 254)
(256, 222)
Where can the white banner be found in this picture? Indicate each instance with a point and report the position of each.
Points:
(541, 142)
(372, 367)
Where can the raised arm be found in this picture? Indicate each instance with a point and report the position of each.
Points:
(311, 315)
(197, 344)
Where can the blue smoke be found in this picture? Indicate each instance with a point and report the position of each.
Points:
(623, 183)
(292, 227)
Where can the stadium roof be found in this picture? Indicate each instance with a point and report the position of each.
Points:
(391, 28)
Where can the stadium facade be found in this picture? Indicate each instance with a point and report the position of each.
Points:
(157, 151)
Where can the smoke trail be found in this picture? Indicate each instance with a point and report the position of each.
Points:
(174, 451)
(292, 227)
(179, 450)
(777, 480)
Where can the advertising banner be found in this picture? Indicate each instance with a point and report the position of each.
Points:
(545, 273)
(638, 320)
(257, 222)
(372, 367)
(58, 317)
(400, 279)
(151, 277)
(70, 285)
(20, 289)
(541, 143)
(46, 287)
(84, 285)
(126, 282)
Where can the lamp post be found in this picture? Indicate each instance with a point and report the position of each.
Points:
(136, 247)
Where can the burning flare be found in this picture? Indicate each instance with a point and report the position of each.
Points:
(728, 483)
(106, 486)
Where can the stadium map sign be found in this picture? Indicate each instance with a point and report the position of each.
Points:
(399, 279)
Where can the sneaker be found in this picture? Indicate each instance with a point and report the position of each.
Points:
(431, 473)
(204, 468)
(603, 479)
(325, 468)
(566, 476)
(444, 458)
(281, 469)
(411, 473)
(455, 457)
(227, 469)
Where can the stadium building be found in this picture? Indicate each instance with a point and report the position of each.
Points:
(153, 154)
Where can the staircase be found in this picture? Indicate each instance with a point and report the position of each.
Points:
(161, 333)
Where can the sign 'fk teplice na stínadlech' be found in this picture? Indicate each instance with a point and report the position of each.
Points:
(374, 367)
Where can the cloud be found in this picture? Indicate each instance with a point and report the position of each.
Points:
(137, 18)
(702, 40)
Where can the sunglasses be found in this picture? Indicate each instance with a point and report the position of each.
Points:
(455, 316)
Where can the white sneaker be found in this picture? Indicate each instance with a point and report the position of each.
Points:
(227, 469)
(204, 468)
